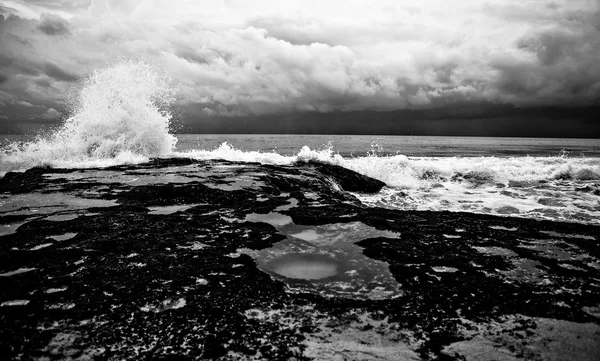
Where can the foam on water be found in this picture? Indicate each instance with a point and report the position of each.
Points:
(121, 115)
(552, 187)
(415, 172)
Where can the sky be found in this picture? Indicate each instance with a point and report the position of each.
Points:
(237, 60)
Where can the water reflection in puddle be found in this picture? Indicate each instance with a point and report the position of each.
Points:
(307, 235)
(42, 203)
(325, 259)
(306, 266)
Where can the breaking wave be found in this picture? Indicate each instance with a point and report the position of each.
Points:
(414, 172)
(555, 188)
(120, 115)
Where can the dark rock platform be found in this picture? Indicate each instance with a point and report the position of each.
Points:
(148, 262)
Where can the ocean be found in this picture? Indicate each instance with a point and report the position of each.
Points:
(556, 179)
(412, 146)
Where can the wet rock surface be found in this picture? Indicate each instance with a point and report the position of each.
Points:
(146, 261)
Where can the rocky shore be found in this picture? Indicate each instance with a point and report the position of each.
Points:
(184, 259)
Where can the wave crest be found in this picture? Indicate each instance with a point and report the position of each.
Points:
(121, 114)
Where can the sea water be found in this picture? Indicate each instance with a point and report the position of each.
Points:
(123, 115)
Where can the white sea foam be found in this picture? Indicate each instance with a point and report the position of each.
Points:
(121, 115)
(227, 152)
(557, 188)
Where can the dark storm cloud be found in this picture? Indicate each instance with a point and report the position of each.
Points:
(10, 64)
(53, 25)
(564, 68)
(239, 58)
(43, 82)
(32, 83)
(57, 73)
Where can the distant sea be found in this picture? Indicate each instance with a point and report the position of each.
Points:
(360, 145)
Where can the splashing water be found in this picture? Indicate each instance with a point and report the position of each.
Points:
(121, 115)
(551, 187)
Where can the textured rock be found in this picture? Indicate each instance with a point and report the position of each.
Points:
(127, 277)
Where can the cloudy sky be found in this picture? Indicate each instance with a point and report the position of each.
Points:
(234, 58)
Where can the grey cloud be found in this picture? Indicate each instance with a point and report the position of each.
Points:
(595, 21)
(518, 80)
(53, 25)
(524, 11)
(43, 82)
(11, 64)
(57, 73)
(5, 10)
(298, 31)
(565, 71)
(552, 46)
(444, 72)
(70, 5)
(192, 56)
(273, 63)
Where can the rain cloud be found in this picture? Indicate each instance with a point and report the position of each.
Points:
(234, 58)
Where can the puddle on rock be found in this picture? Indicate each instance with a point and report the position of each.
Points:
(41, 246)
(308, 235)
(61, 217)
(48, 203)
(16, 272)
(183, 174)
(444, 269)
(171, 209)
(568, 235)
(501, 228)
(273, 218)
(55, 290)
(325, 259)
(7, 229)
(14, 303)
(62, 237)
(495, 251)
(293, 202)
(237, 183)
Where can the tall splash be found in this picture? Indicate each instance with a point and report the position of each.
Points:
(121, 114)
